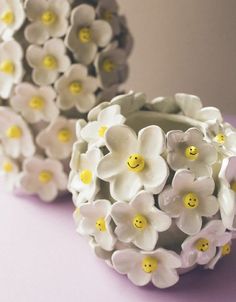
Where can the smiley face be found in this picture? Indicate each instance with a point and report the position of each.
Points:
(135, 162)
(149, 264)
(139, 222)
(85, 35)
(220, 138)
(226, 249)
(191, 201)
(202, 245)
(192, 152)
(101, 225)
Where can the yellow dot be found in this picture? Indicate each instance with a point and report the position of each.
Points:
(102, 130)
(7, 167)
(101, 225)
(86, 177)
(135, 163)
(226, 249)
(14, 132)
(77, 213)
(64, 135)
(191, 201)
(48, 18)
(85, 35)
(149, 265)
(36, 103)
(192, 153)
(45, 177)
(8, 17)
(202, 245)
(233, 186)
(220, 138)
(108, 65)
(7, 67)
(140, 222)
(75, 87)
(107, 15)
(50, 62)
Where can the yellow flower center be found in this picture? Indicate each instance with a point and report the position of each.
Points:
(226, 249)
(7, 67)
(101, 225)
(149, 265)
(233, 186)
(220, 138)
(108, 65)
(36, 103)
(50, 62)
(140, 222)
(7, 167)
(64, 135)
(8, 17)
(102, 130)
(48, 18)
(86, 177)
(192, 153)
(202, 245)
(14, 132)
(77, 213)
(191, 201)
(135, 163)
(75, 87)
(45, 177)
(85, 35)
(107, 15)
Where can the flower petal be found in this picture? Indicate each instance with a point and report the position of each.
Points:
(151, 141)
(208, 206)
(125, 186)
(190, 222)
(164, 277)
(146, 239)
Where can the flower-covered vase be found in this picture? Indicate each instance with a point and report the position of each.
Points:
(58, 59)
(154, 185)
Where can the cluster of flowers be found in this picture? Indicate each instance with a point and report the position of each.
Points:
(155, 204)
(58, 59)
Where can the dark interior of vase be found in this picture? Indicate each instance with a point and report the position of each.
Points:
(167, 122)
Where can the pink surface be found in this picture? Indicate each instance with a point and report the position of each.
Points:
(42, 259)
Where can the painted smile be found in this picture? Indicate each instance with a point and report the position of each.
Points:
(132, 167)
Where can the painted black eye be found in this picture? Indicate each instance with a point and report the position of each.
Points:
(136, 158)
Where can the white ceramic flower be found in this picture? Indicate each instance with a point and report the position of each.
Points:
(11, 70)
(108, 10)
(58, 138)
(96, 221)
(35, 104)
(94, 132)
(47, 61)
(112, 67)
(15, 135)
(188, 199)
(189, 150)
(227, 192)
(12, 17)
(201, 248)
(83, 179)
(43, 177)
(48, 19)
(158, 267)
(222, 136)
(87, 34)
(9, 171)
(76, 88)
(223, 251)
(134, 162)
(139, 221)
(191, 106)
